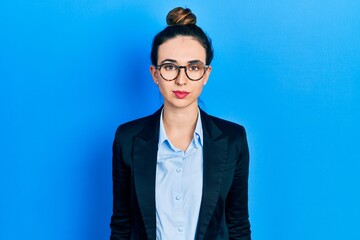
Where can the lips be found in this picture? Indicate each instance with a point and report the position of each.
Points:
(181, 94)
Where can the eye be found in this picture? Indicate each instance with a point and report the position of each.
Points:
(195, 67)
(169, 67)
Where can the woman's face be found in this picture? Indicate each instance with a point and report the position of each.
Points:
(181, 92)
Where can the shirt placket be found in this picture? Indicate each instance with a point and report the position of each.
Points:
(178, 194)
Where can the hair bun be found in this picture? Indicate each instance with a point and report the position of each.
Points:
(180, 16)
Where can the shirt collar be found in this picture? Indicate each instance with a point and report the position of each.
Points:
(198, 133)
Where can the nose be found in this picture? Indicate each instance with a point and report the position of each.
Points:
(182, 77)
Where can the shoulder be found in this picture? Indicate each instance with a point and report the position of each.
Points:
(227, 127)
(132, 128)
(133, 125)
(234, 132)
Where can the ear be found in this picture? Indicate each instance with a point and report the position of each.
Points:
(207, 74)
(154, 74)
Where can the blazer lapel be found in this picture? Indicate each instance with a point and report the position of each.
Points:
(215, 155)
(144, 165)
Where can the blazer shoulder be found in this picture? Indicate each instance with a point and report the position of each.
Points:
(228, 127)
(133, 127)
(145, 127)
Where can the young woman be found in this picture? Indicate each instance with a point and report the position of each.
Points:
(180, 173)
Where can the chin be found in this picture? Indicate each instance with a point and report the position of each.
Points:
(181, 103)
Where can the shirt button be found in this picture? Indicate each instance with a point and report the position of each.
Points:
(178, 170)
(197, 136)
(180, 229)
(177, 197)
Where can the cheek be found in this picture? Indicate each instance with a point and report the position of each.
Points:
(198, 89)
(163, 89)
(201, 85)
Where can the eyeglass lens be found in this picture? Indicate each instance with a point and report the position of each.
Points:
(171, 71)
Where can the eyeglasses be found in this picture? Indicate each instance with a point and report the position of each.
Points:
(194, 71)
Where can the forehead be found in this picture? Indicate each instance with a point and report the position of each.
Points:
(182, 49)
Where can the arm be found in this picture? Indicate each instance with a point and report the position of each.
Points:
(237, 215)
(121, 218)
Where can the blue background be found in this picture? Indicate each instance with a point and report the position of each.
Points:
(72, 71)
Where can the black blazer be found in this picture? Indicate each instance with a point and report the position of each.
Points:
(224, 205)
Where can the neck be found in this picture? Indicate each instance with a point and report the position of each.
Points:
(183, 119)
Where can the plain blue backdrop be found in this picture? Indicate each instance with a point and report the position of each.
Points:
(72, 71)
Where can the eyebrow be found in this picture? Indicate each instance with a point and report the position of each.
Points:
(168, 60)
(174, 61)
(195, 61)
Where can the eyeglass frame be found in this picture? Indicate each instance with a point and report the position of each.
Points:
(206, 67)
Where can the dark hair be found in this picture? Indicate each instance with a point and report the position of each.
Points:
(181, 22)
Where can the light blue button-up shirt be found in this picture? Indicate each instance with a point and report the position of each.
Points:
(179, 180)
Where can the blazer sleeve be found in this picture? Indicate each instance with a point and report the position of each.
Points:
(237, 215)
(121, 175)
